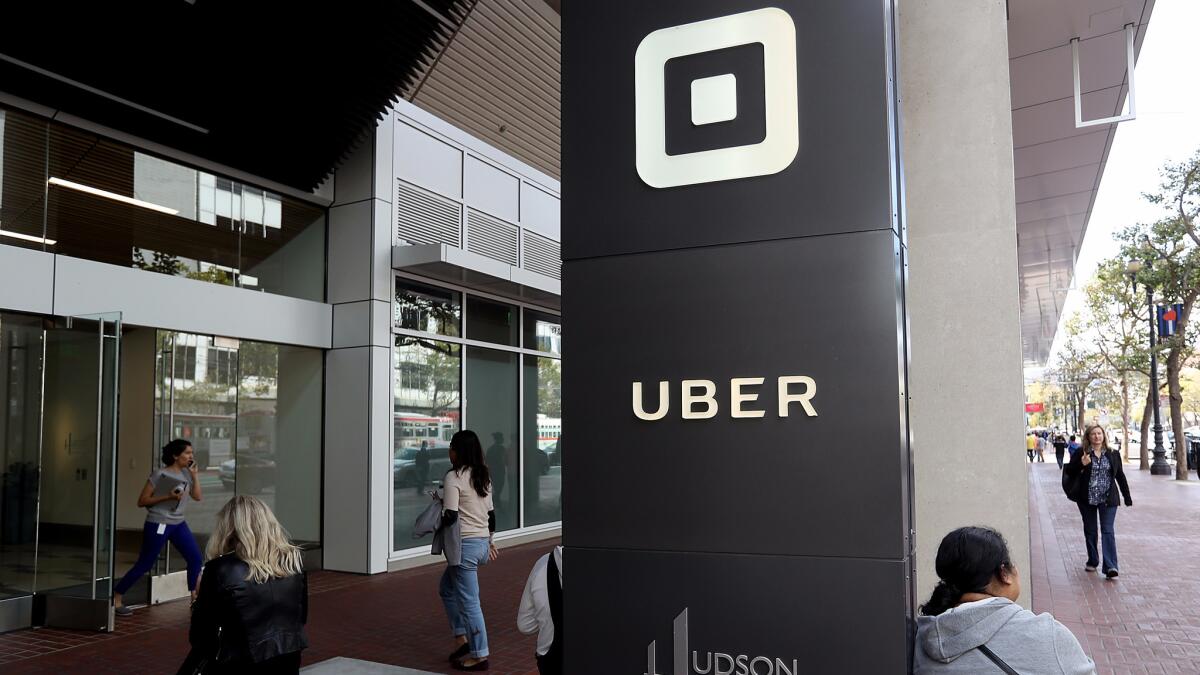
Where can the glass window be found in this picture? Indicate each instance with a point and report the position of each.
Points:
(71, 192)
(543, 332)
(426, 413)
(492, 414)
(23, 140)
(489, 321)
(427, 308)
(543, 440)
(278, 456)
(21, 343)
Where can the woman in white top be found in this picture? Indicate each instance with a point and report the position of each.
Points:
(468, 501)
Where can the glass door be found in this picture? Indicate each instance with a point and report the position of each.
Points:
(73, 568)
(196, 399)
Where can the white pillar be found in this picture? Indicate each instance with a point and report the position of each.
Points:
(966, 375)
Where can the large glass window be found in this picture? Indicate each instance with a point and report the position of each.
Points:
(511, 399)
(426, 413)
(492, 414)
(543, 440)
(68, 191)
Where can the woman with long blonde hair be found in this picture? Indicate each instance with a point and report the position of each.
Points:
(1095, 481)
(253, 601)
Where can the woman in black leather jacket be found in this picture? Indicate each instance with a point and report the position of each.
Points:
(250, 613)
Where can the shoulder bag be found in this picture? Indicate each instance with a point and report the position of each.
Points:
(997, 660)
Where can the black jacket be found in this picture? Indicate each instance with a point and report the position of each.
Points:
(237, 622)
(1076, 468)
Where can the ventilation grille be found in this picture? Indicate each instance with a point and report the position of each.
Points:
(425, 218)
(542, 255)
(492, 237)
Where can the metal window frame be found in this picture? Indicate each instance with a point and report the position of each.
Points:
(1130, 65)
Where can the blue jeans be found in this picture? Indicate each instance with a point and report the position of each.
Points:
(1108, 535)
(460, 594)
(152, 543)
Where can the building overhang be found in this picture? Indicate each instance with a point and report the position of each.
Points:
(474, 271)
(268, 88)
(1058, 166)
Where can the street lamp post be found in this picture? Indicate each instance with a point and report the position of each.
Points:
(1160, 466)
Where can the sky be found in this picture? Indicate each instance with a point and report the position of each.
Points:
(1167, 129)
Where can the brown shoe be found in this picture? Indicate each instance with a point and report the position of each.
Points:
(478, 666)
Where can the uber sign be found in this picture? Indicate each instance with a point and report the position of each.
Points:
(733, 287)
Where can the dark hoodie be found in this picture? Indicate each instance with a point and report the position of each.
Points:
(1029, 643)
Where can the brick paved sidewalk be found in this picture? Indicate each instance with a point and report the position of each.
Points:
(1148, 619)
(392, 618)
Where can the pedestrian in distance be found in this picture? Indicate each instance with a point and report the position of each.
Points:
(972, 624)
(249, 616)
(541, 611)
(1091, 479)
(421, 465)
(1031, 442)
(467, 502)
(164, 496)
(1060, 449)
(1073, 446)
(1041, 448)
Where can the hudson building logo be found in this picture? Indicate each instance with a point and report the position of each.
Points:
(737, 75)
(713, 663)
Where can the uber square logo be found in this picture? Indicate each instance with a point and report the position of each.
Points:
(737, 75)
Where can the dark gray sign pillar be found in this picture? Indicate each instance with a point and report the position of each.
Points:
(738, 496)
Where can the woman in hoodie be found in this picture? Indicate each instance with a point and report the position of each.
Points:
(972, 623)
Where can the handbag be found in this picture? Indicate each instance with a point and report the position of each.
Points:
(997, 660)
(1070, 485)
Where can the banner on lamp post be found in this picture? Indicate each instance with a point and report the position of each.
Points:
(1168, 319)
(1035, 407)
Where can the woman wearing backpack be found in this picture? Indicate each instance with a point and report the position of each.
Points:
(1092, 479)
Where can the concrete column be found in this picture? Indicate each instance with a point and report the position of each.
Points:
(963, 305)
(358, 371)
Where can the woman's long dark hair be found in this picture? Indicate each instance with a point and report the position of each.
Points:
(468, 454)
(967, 561)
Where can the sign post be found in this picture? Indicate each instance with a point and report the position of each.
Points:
(740, 473)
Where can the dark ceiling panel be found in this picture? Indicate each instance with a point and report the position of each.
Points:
(277, 89)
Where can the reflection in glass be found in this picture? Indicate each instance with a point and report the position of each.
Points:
(492, 414)
(427, 308)
(543, 440)
(489, 321)
(21, 341)
(426, 413)
(543, 332)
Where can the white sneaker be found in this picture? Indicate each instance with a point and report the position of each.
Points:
(1090, 568)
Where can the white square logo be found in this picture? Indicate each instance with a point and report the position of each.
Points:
(714, 99)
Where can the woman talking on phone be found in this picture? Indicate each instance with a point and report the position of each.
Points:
(164, 496)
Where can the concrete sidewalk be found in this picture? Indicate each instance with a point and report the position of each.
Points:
(1148, 619)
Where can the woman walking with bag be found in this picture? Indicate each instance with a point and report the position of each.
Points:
(249, 616)
(972, 624)
(1091, 480)
(468, 503)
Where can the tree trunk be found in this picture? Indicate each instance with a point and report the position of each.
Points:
(1125, 415)
(1144, 460)
(1081, 410)
(1173, 367)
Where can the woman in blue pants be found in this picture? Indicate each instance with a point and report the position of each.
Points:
(164, 496)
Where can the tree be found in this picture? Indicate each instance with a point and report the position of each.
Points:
(1172, 246)
(1077, 367)
(1115, 314)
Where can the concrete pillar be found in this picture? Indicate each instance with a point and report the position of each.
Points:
(358, 370)
(963, 305)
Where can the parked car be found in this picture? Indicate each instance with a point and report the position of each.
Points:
(404, 465)
(249, 472)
